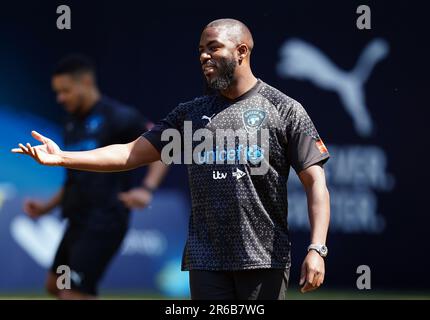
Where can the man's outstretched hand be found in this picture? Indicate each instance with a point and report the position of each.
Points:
(47, 153)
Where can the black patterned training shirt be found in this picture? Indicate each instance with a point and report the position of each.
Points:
(239, 219)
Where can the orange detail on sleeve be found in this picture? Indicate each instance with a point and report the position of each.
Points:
(321, 147)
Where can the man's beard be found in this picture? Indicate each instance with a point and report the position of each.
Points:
(224, 78)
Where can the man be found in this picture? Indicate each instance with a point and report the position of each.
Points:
(238, 245)
(97, 205)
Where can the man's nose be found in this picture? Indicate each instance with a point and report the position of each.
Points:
(204, 56)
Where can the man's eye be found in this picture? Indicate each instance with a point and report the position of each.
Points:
(212, 48)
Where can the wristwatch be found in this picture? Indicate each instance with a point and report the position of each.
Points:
(320, 248)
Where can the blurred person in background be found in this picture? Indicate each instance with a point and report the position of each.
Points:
(96, 205)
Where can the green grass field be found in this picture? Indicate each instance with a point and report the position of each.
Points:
(293, 294)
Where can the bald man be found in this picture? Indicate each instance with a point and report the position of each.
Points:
(238, 245)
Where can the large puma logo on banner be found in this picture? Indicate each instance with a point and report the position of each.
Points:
(304, 61)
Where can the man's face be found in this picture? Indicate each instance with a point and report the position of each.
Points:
(70, 92)
(217, 57)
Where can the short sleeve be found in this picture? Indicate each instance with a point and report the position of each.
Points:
(304, 145)
(174, 120)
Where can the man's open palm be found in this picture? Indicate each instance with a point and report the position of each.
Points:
(47, 153)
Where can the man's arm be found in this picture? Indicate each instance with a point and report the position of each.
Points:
(141, 197)
(117, 157)
(313, 269)
(55, 200)
(156, 172)
(35, 208)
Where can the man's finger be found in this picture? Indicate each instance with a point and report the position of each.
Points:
(127, 203)
(123, 196)
(316, 279)
(310, 276)
(23, 148)
(36, 135)
(30, 149)
(304, 288)
(307, 287)
(321, 280)
(311, 288)
(36, 155)
(16, 150)
(302, 275)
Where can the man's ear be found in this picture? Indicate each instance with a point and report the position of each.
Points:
(87, 79)
(243, 52)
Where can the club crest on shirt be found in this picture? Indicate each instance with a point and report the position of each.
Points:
(93, 123)
(252, 119)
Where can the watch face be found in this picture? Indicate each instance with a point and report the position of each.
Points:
(324, 250)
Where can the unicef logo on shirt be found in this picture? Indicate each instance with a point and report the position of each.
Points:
(253, 119)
